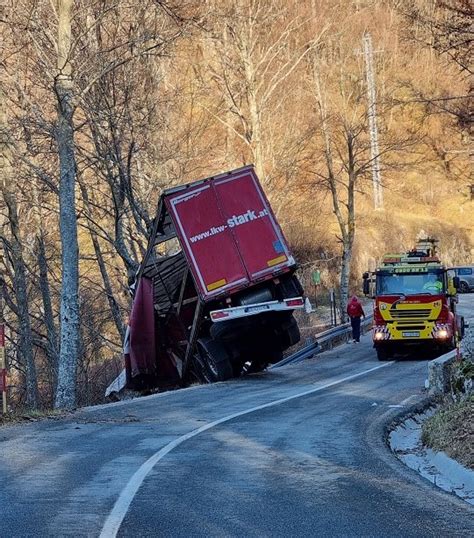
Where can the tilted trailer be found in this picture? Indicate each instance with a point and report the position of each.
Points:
(216, 291)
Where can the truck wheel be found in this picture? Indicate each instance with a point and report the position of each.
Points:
(226, 331)
(383, 354)
(216, 360)
(199, 371)
(449, 346)
(292, 336)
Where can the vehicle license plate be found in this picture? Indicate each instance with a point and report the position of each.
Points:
(260, 308)
(411, 333)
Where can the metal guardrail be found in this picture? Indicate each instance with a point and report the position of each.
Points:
(317, 346)
(304, 353)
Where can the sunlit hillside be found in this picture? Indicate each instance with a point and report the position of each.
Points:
(101, 113)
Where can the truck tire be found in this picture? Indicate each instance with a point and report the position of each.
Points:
(227, 331)
(383, 354)
(292, 334)
(215, 359)
(450, 345)
(275, 356)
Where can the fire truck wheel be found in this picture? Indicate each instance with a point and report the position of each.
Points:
(383, 354)
(216, 360)
(449, 346)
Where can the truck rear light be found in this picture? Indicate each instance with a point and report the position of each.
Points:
(294, 302)
(219, 315)
(378, 336)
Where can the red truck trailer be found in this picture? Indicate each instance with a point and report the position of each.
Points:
(215, 293)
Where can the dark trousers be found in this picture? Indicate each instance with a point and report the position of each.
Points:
(355, 324)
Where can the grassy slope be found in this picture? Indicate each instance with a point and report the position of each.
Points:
(451, 430)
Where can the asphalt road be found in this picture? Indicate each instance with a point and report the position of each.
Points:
(296, 451)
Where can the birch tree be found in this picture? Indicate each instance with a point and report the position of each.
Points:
(69, 318)
(257, 52)
(60, 35)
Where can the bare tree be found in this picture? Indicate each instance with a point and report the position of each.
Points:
(344, 142)
(257, 52)
(446, 26)
(63, 87)
(78, 44)
(15, 249)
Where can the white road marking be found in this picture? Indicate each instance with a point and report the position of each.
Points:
(120, 509)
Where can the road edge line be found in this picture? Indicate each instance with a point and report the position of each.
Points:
(119, 511)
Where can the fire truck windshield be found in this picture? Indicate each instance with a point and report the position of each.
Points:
(410, 283)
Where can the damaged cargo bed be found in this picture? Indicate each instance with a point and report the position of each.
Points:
(215, 294)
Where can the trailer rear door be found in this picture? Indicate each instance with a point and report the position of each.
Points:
(208, 243)
(228, 232)
(250, 218)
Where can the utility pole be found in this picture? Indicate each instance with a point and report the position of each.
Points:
(372, 114)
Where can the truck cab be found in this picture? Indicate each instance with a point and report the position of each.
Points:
(414, 304)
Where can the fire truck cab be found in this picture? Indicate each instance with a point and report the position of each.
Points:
(414, 303)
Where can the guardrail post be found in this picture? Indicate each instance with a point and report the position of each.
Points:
(332, 301)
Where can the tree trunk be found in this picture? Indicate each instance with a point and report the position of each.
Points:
(20, 287)
(114, 307)
(255, 134)
(53, 351)
(19, 268)
(349, 226)
(345, 274)
(345, 219)
(69, 339)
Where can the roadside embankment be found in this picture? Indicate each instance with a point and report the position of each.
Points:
(451, 430)
(406, 442)
(438, 440)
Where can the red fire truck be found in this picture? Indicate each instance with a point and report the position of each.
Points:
(414, 303)
(215, 293)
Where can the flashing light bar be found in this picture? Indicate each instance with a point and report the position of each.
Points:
(410, 269)
(411, 259)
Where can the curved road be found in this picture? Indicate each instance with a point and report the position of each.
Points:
(296, 451)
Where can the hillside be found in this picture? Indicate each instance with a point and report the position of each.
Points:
(106, 104)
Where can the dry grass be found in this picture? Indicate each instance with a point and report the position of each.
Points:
(30, 416)
(451, 430)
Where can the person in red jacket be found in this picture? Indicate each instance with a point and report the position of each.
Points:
(355, 312)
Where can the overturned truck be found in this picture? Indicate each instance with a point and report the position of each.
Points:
(215, 294)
